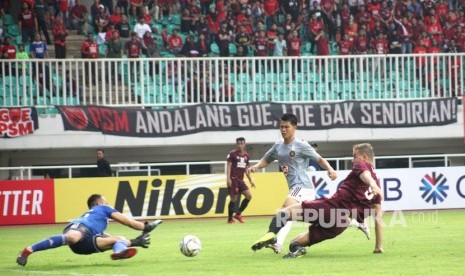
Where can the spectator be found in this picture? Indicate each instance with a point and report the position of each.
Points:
(114, 50)
(63, 6)
(38, 48)
(27, 23)
(203, 46)
(243, 39)
(136, 8)
(108, 4)
(146, 15)
(175, 43)
(259, 47)
(124, 29)
(280, 50)
(124, 5)
(103, 166)
(189, 48)
(102, 19)
(271, 8)
(202, 27)
(224, 38)
(114, 46)
(186, 21)
(361, 43)
(227, 91)
(141, 28)
(8, 48)
(271, 35)
(133, 50)
(89, 50)
(41, 12)
(164, 36)
(21, 54)
(94, 11)
(59, 37)
(151, 50)
(115, 17)
(78, 17)
(292, 7)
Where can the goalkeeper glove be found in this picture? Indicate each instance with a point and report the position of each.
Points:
(150, 226)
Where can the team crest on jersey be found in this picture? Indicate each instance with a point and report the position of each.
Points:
(292, 153)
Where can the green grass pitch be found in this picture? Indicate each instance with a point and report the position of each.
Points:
(415, 243)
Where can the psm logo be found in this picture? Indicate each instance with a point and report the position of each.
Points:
(434, 188)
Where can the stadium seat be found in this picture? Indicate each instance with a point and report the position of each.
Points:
(13, 30)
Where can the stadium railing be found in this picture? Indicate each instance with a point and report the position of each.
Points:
(148, 169)
(173, 82)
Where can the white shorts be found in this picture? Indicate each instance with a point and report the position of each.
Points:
(301, 194)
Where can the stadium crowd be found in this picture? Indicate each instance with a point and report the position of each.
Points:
(192, 28)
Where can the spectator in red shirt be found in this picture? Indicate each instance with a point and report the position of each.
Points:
(361, 43)
(115, 17)
(9, 49)
(175, 43)
(136, 7)
(78, 16)
(63, 6)
(27, 23)
(89, 50)
(271, 8)
(345, 48)
(434, 30)
(59, 38)
(259, 46)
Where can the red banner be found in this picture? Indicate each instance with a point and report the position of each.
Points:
(16, 122)
(27, 202)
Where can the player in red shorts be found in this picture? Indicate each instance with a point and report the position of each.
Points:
(238, 161)
(329, 217)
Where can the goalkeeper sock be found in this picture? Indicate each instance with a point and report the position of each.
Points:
(52, 242)
(231, 208)
(120, 246)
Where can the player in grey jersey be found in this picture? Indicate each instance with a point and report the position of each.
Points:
(293, 156)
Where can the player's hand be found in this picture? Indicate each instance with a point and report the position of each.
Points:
(252, 184)
(142, 241)
(378, 250)
(332, 174)
(252, 169)
(148, 227)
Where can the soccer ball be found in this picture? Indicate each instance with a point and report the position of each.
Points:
(190, 246)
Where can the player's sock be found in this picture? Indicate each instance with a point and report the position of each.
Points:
(231, 208)
(52, 242)
(120, 246)
(294, 246)
(282, 234)
(244, 204)
(277, 223)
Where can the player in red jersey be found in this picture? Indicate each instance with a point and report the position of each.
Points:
(358, 194)
(238, 161)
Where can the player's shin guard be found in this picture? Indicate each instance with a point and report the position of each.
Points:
(231, 209)
(282, 234)
(52, 242)
(278, 222)
(244, 204)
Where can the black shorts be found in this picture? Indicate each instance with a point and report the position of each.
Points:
(88, 243)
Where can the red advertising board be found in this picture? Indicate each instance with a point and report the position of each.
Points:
(27, 202)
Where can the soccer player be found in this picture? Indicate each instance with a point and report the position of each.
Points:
(238, 160)
(359, 194)
(85, 235)
(293, 156)
(103, 166)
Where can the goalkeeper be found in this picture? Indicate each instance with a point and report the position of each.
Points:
(85, 235)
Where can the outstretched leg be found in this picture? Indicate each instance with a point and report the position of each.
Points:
(49, 243)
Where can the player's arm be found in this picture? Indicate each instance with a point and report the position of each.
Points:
(260, 165)
(378, 229)
(228, 174)
(249, 177)
(325, 165)
(134, 224)
(365, 176)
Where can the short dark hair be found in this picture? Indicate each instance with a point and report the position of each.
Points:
(289, 117)
(101, 150)
(315, 145)
(92, 200)
(240, 139)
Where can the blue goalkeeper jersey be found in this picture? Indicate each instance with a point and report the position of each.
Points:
(96, 219)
